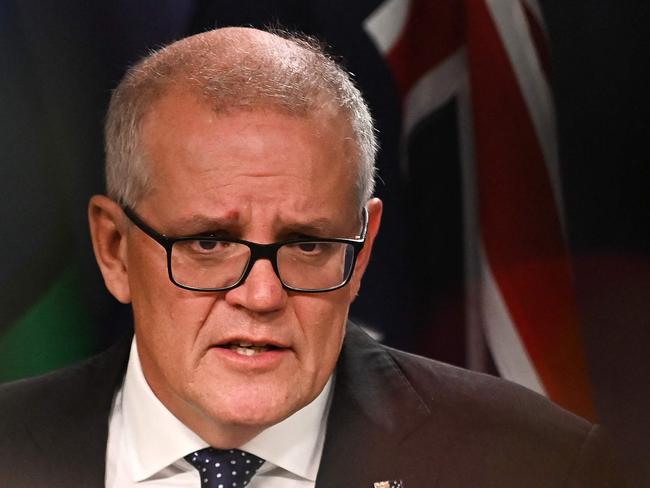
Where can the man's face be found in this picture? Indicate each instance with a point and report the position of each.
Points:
(262, 176)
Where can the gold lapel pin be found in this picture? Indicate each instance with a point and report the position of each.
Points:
(388, 484)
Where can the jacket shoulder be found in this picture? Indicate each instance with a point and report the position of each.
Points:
(464, 392)
(505, 422)
(53, 428)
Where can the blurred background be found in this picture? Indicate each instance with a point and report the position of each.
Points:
(513, 168)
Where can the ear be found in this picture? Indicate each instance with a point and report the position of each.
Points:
(108, 234)
(374, 207)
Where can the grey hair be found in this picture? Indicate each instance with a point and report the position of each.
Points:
(233, 68)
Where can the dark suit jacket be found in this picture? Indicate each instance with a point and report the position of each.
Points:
(393, 416)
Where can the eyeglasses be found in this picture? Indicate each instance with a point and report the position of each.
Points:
(209, 263)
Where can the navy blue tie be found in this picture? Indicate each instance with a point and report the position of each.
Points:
(224, 468)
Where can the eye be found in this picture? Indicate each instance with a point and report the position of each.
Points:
(308, 247)
(207, 245)
(312, 249)
(210, 246)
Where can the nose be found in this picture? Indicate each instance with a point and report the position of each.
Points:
(262, 291)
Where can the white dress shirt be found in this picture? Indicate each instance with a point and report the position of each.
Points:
(146, 443)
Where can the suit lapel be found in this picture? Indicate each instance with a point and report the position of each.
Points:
(373, 410)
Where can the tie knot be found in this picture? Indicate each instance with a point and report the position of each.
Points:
(224, 468)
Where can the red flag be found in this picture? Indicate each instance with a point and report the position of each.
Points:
(491, 56)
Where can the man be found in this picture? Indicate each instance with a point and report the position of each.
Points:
(239, 223)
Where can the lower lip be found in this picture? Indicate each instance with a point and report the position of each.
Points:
(260, 361)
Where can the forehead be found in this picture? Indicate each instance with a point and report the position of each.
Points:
(208, 162)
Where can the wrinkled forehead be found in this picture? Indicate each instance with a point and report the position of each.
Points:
(187, 142)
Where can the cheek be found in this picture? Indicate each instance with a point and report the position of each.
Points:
(175, 317)
(167, 328)
(154, 295)
(322, 320)
(166, 316)
(146, 268)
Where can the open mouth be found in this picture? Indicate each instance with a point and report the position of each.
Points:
(247, 348)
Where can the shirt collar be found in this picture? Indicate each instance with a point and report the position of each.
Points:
(156, 438)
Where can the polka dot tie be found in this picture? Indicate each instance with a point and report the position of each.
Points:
(224, 468)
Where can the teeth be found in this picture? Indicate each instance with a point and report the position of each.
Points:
(247, 349)
(244, 351)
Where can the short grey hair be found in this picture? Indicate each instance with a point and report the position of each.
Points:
(233, 68)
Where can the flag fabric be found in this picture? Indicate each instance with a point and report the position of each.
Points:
(489, 57)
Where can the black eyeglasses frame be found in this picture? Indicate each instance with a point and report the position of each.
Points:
(257, 251)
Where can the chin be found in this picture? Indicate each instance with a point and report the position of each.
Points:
(250, 409)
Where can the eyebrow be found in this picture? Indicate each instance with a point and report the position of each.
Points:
(317, 227)
(200, 224)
